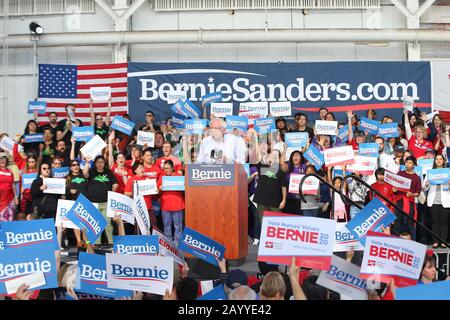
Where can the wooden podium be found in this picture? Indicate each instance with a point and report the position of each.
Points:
(221, 212)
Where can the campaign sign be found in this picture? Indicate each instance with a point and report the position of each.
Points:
(344, 240)
(222, 109)
(153, 274)
(371, 218)
(260, 107)
(173, 183)
(363, 165)
(326, 127)
(218, 293)
(369, 149)
(139, 245)
(16, 234)
(309, 239)
(438, 176)
(178, 121)
(399, 182)
(55, 185)
(339, 156)
(195, 126)
(39, 106)
(83, 133)
(315, 157)
(369, 125)
(408, 103)
(265, 125)
(168, 248)
(426, 164)
(87, 217)
(91, 277)
(61, 219)
(389, 257)
(236, 122)
(388, 130)
(123, 125)
(141, 214)
(310, 185)
(147, 187)
(23, 261)
(280, 109)
(100, 94)
(209, 98)
(343, 133)
(7, 144)
(31, 138)
(27, 180)
(201, 246)
(120, 205)
(191, 110)
(174, 96)
(93, 147)
(178, 109)
(60, 172)
(296, 139)
(145, 138)
(343, 277)
(210, 175)
(439, 290)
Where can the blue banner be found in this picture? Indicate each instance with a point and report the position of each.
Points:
(173, 183)
(91, 277)
(178, 121)
(123, 125)
(136, 245)
(83, 133)
(438, 176)
(371, 218)
(296, 139)
(201, 175)
(87, 217)
(265, 125)
(36, 137)
(237, 122)
(201, 246)
(343, 133)
(39, 106)
(195, 126)
(426, 164)
(178, 109)
(60, 172)
(315, 157)
(388, 130)
(308, 86)
(191, 110)
(27, 180)
(207, 99)
(366, 124)
(19, 262)
(369, 149)
(218, 293)
(439, 290)
(16, 234)
(247, 169)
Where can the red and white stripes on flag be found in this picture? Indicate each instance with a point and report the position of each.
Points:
(94, 75)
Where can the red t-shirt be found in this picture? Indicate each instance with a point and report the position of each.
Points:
(353, 143)
(176, 162)
(385, 189)
(6, 187)
(416, 183)
(129, 189)
(171, 200)
(418, 149)
(120, 175)
(129, 163)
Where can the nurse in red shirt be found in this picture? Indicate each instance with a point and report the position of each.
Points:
(167, 151)
(416, 141)
(383, 188)
(172, 205)
(8, 198)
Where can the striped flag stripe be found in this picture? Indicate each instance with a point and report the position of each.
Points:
(102, 66)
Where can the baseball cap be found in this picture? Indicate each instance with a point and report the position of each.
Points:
(235, 277)
(430, 150)
(399, 148)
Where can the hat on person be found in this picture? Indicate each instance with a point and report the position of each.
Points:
(235, 278)
(430, 150)
(399, 148)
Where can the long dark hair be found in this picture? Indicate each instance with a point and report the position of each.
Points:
(291, 160)
(71, 175)
(27, 130)
(106, 169)
(444, 165)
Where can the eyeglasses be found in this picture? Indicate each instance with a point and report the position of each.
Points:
(75, 164)
(98, 119)
(45, 168)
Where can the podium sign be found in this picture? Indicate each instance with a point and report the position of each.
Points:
(204, 175)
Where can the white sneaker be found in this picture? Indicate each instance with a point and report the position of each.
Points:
(256, 241)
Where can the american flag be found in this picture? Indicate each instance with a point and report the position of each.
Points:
(62, 84)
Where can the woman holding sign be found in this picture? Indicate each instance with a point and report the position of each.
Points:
(8, 198)
(44, 204)
(32, 127)
(438, 200)
(295, 165)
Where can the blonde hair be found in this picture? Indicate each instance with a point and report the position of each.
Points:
(272, 284)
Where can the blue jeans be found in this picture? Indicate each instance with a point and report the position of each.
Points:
(177, 218)
(354, 210)
(311, 212)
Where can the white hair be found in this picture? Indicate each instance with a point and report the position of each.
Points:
(242, 293)
(222, 122)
